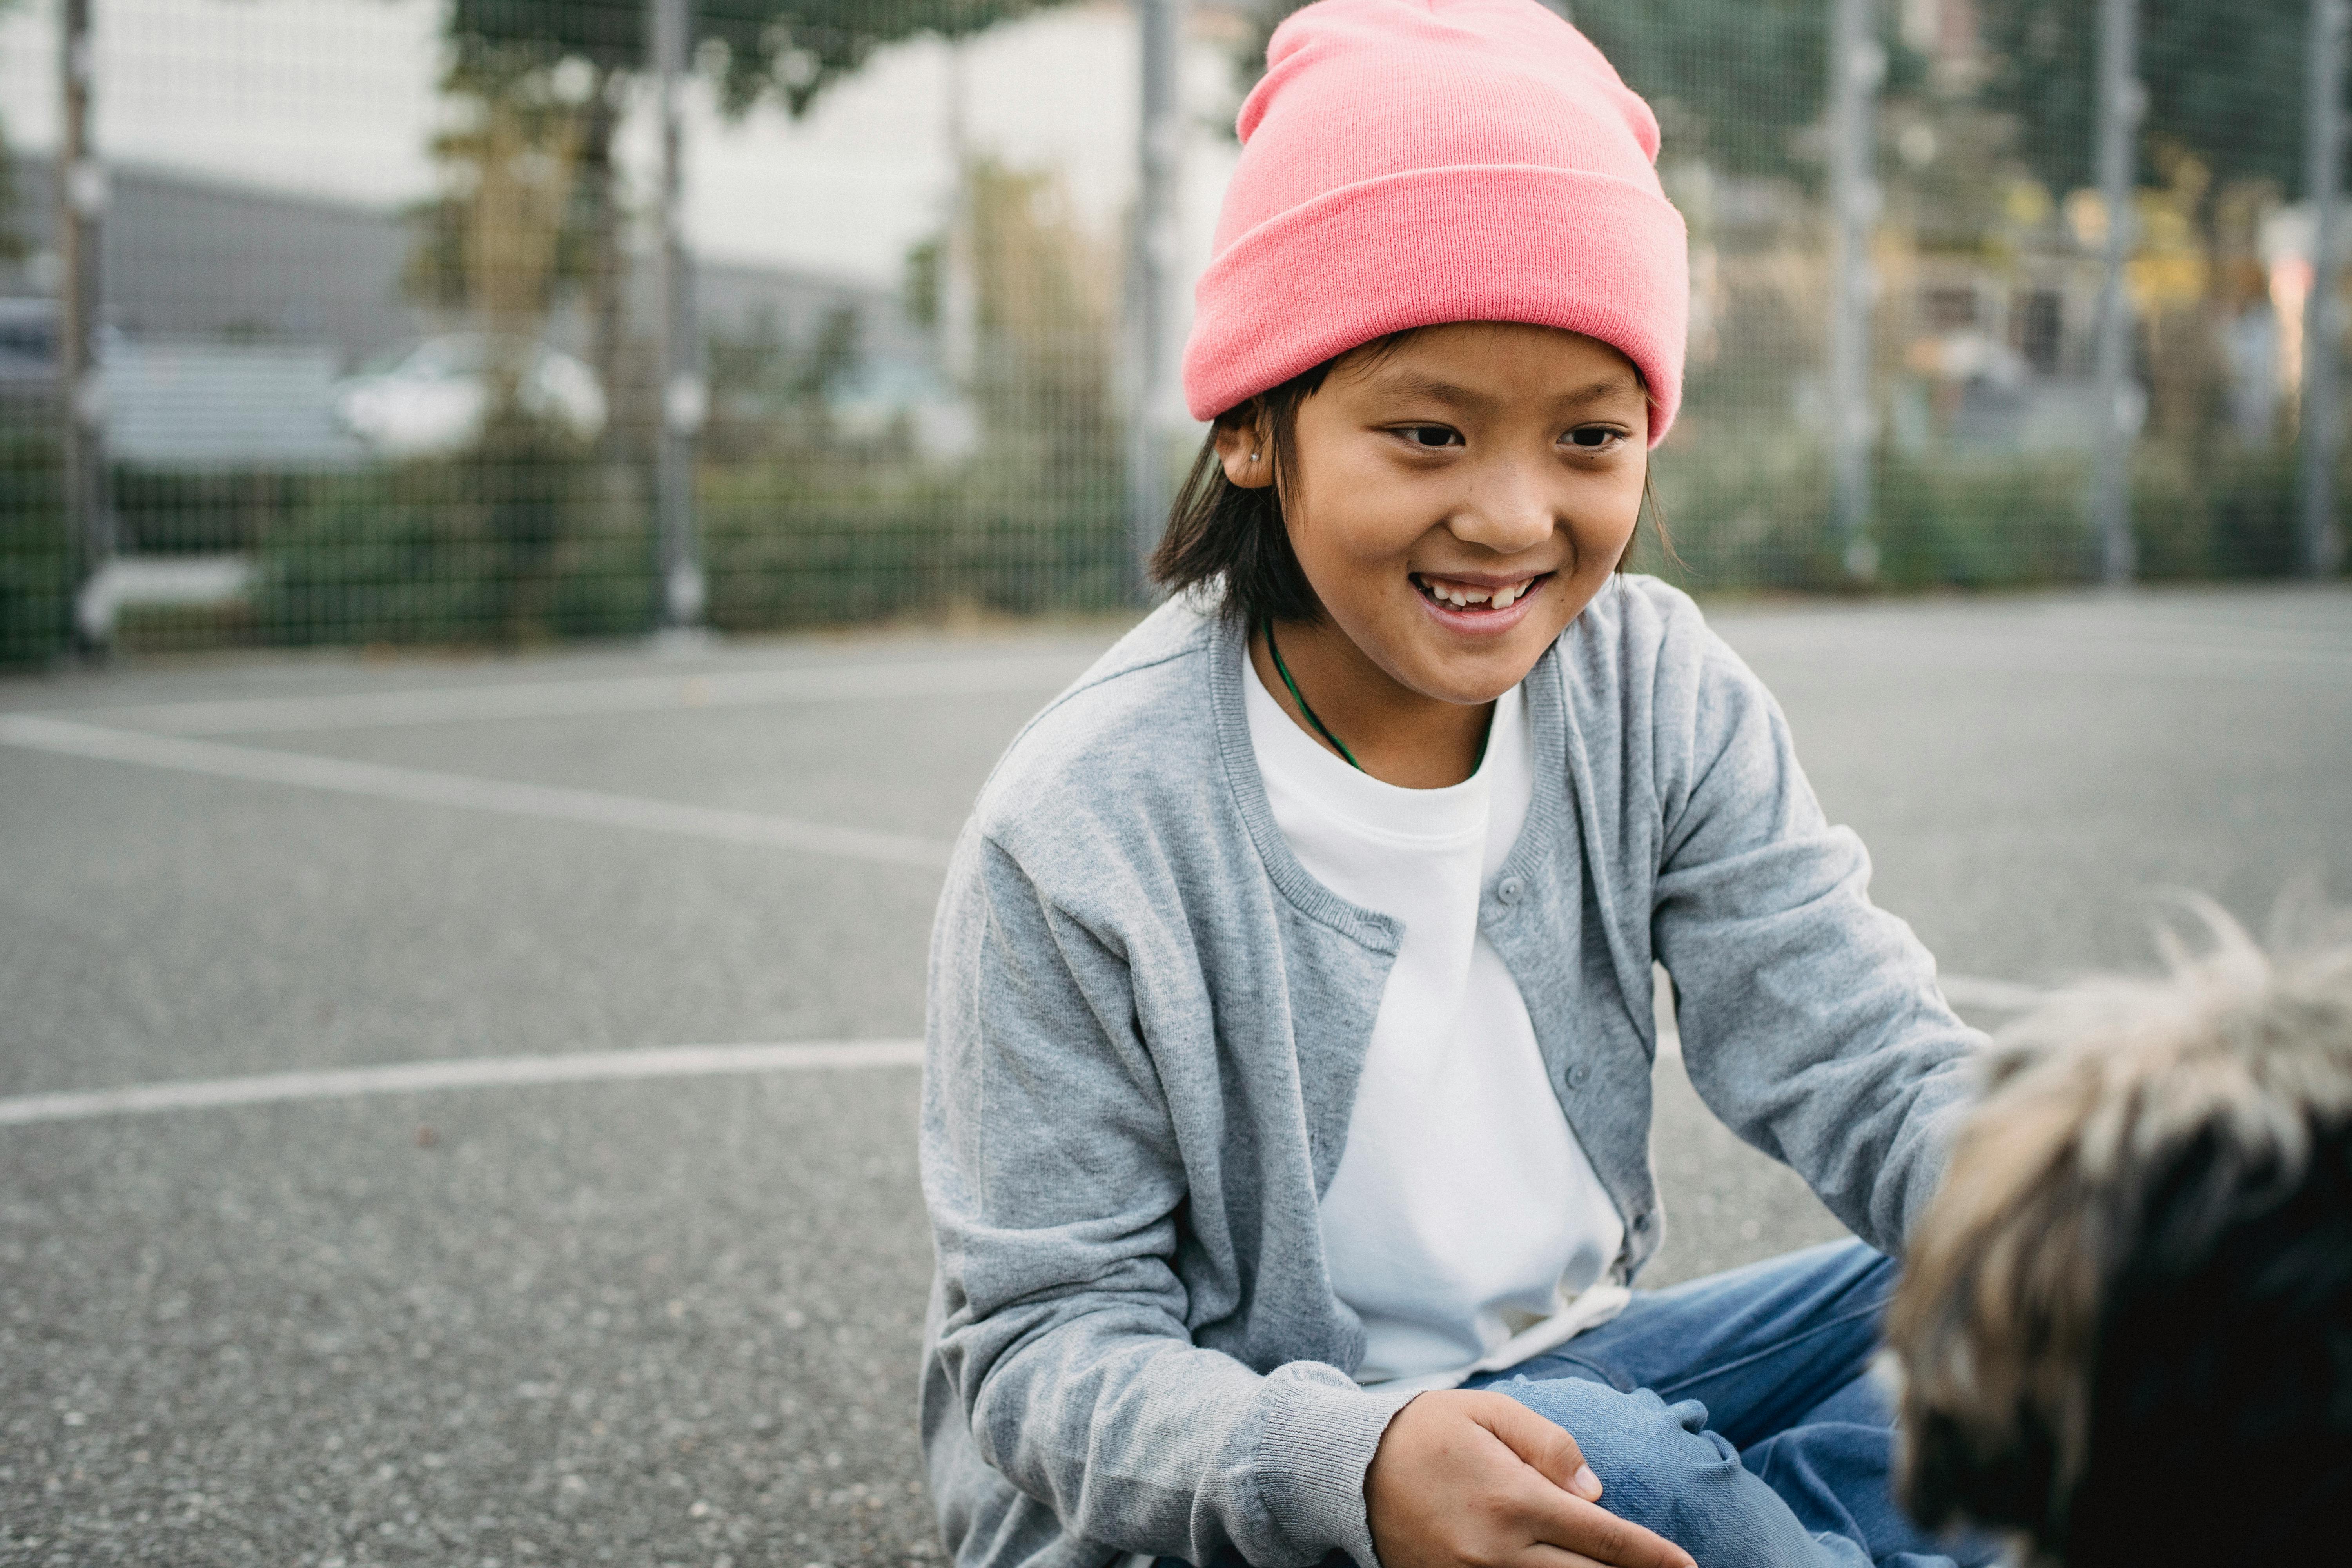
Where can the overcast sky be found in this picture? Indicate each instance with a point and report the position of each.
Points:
(336, 97)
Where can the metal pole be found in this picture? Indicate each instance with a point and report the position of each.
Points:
(2121, 404)
(1160, 146)
(2322, 417)
(81, 407)
(685, 398)
(1857, 66)
(958, 284)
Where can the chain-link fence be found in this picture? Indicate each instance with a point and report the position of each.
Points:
(402, 321)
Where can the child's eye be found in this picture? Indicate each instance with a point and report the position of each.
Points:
(1431, 435)
(1593, 438)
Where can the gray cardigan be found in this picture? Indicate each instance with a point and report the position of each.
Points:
(1147, 1020)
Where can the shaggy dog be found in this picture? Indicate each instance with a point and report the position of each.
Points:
(2124, 1333)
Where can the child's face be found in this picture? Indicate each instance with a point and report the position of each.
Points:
(1486, 462)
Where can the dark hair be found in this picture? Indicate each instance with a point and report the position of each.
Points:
(1224, 533)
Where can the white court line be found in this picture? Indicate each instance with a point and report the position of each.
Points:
(419, 787)
(478, 1072)
(2028, 653)
(622, 694)
(609, 1066)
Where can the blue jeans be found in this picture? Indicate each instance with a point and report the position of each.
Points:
(1735, 1417)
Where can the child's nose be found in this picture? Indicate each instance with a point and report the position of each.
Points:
(1509, 509)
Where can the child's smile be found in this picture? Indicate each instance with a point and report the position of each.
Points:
(1480, 603)
(1461, 494)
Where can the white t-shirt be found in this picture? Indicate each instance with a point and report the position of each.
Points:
(1465, 1225)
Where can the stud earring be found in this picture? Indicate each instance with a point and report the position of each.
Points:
(1252, 457)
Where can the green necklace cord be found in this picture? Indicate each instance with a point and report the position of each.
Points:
(1300, 698)
(1275, 651)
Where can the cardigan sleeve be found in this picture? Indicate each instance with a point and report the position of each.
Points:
(1055, 1189)
(1811, 1019)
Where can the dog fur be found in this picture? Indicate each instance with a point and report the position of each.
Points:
(2124, 1333)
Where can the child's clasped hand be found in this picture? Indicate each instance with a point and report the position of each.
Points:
(1463, 1477)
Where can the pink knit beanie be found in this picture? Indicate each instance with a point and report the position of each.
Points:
(1406, 163)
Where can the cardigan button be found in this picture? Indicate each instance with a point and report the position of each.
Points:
(1641, 1220)
(1578, 1074)
(1509, 889)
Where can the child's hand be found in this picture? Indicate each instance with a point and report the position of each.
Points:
(1480, 1480)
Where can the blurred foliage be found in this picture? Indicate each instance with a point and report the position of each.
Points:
(12, 244)
(1745, 509)
(2229, 514)
(2224, 84)
(2221, 144)
(825, 526)
(1043, 368)
(1738, 82)
(805, 519)
(530, 213)
(582, 54)
(508, 543)
(36, 553)
(1734, 82)
(164, 511)
(506, 231)
(768, 391)
(848, 542)
(790, 51)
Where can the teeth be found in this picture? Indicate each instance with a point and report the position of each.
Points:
(1462, 597)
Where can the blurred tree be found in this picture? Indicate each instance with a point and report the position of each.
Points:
(787, 50)
(2224, 85)
(790, 50)
(769, 392)
(1734, 82)
(1043, 370)
(496, 246)
(533, 207)
(1738, 82)
(2222, 142)
(497, 241)
(12, 244)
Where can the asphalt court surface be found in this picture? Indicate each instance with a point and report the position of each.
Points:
(650, 1319)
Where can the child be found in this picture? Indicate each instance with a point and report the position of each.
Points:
(2126, 1329)
(1286, 1113)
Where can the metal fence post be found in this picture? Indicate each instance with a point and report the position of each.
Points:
(685, 397)
(1158, 150)
(2322, 409)
(1858, 65)
(959, 305)
(2121, 404)
(81, 384)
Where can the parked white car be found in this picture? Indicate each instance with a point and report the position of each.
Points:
(433, 401)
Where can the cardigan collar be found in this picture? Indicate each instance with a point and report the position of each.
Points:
(1533, 850)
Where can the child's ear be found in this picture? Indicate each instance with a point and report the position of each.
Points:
(1246, 454)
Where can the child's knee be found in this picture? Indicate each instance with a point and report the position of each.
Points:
(1661, 1468)
(1657, 1462)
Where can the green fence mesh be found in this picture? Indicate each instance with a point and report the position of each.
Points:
(376, 325)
